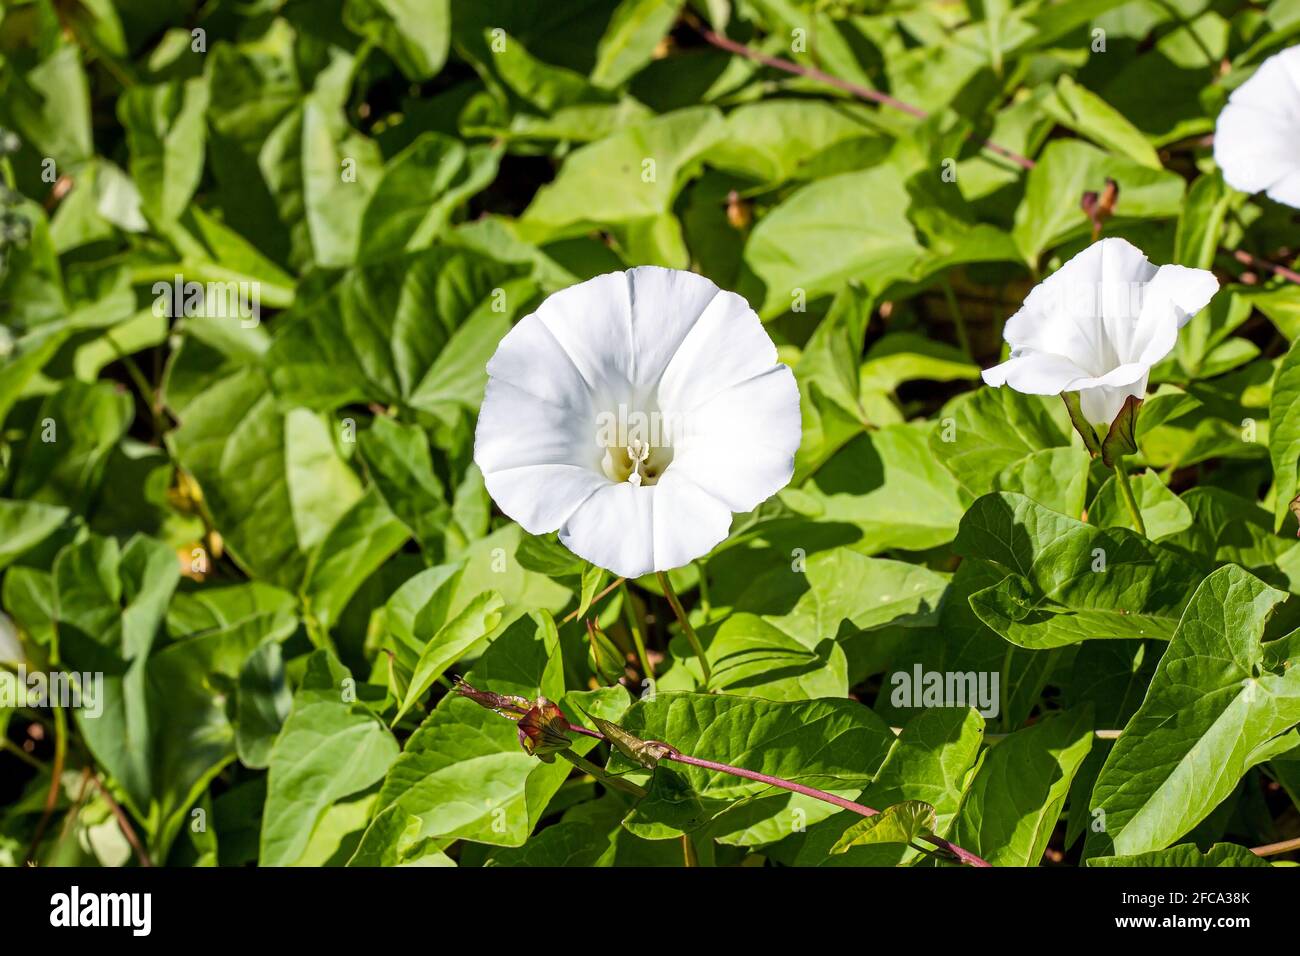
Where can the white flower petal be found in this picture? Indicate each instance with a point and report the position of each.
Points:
(1169, 300)
(614, 529)
(1257, 135)
(1253, 148)
(592, 322)
(1124, 274)
(740, 445)
(1083, 309)
(1037, 373)
(688, 521)
(727, 345)
(515, 428)
(1100, 405)
(1287, 189)
(532, 359)
(666, 304)
(542, 497)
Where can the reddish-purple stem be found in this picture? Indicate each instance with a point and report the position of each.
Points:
(862, 92)
(862, 809)
(1245, 258)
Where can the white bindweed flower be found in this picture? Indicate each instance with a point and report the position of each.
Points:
(634, 413)
(1257, 136)
(1098, 324)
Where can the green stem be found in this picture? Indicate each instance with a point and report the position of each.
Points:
(689, 856)
(638, 637)
(691, 636)
(1125, 489)
(609, 779)
(958, 320)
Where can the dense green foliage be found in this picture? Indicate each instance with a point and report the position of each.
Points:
(259, 519)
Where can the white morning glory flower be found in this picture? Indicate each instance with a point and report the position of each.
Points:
(1098, 324)
(634, 413)
(1257, 136)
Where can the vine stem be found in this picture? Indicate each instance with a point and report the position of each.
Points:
(1273, 849)
(574, 613)
(1246, 259)
(609, 779)
(862, 92)
(691, 636)
(1126, 490)
(638, 638)
(123, 821)
(507, 708)
(884, 99)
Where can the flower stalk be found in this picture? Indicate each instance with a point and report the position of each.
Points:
(682, 619)
(1126, 491)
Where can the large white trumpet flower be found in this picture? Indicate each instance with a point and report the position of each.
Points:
(634, 413)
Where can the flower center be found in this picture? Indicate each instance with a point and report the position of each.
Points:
(635, 445)
(638, 463)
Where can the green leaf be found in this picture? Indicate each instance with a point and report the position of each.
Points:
(275, 485)
(629, 42)
(421, 189)
(1089, 115)
(1284, 432)
(415, 331)
(1219, 697)
(1015, 798)
(901, 823)
(356, 545)
(76, 428)
(330, 747)
(463, 774)
(262, 704)
(1056, 478)
(1185, 854)
(415, 34)
(1050, 212)
(983, 433)
(166, 134)
(453, 640)
(1201, 223)
(798, 250)
(399, 463)
(24, 525)
(1163, 512)
(930, 763)
(830, 744)
(888, 484)
(610, 181)
(1067, 581)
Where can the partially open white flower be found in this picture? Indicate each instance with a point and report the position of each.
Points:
(1257, 137)
(634, 413)
(1098, 324)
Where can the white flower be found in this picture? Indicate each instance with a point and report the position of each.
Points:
(1098, 324)
(1257, 137)
(634, 413)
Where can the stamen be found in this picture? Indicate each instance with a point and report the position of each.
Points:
(637, 452)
